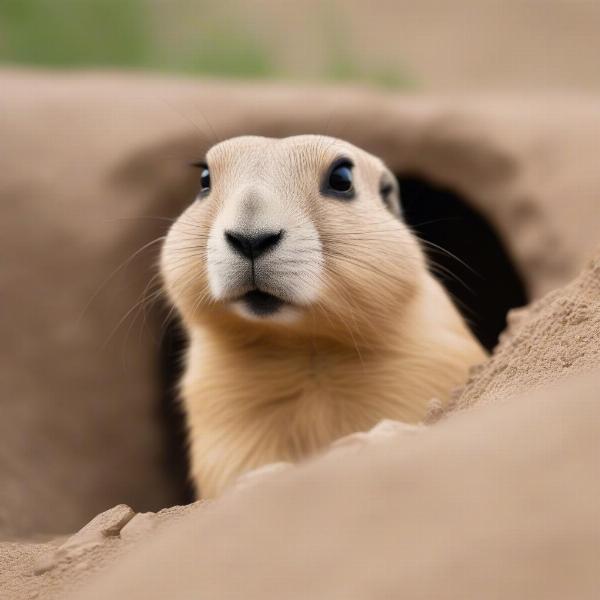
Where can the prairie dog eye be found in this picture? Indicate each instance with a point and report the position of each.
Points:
(386, 191)
(204, 177)
(204, 180)
(340, 180)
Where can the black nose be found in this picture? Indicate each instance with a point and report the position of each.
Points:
(253, 245)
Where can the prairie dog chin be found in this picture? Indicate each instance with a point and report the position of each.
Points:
(308, 305)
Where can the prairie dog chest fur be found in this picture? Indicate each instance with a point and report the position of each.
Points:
(308, 305)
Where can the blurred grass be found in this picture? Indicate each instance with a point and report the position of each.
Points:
(341, 64)
(221, 50)
(126, 34)
(59, 33)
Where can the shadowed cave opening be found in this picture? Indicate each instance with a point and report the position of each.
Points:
(470, 261)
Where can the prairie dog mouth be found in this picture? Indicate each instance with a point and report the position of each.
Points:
(261, 303)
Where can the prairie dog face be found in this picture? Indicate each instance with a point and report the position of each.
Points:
(303, 231)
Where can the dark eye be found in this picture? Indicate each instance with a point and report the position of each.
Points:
(204, 177)
(385, 191)
(339, 181)
(204, 180)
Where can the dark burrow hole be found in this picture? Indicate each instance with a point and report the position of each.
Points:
(177, 463)
(471, 262)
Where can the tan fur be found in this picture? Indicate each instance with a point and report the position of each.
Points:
(379, 339)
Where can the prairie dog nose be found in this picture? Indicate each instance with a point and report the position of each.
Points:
(253, 245)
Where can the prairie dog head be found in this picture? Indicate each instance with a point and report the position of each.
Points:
(299, 233)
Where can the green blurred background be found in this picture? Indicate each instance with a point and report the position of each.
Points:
(408, 44)
(206, 38)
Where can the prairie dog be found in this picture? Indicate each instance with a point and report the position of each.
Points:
(308, 304)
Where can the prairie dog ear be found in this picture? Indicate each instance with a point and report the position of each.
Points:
(389, 192)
